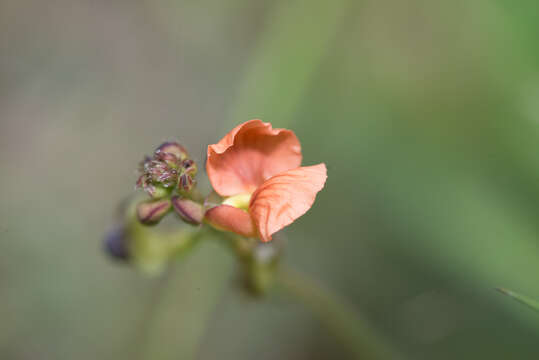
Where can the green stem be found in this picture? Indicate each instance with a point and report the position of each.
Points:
(147, 323)
(155, 342)
(338, 316)
(183, 301)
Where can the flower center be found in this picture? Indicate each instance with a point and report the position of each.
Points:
(240, 201)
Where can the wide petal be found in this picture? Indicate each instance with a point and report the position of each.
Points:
(285, 197)
(229, 218)
(250, 154)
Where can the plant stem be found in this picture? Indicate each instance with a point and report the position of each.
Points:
(184, 300)
(165, 322)
(340, 317)
(148, 318)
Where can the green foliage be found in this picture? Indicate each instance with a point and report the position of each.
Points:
(534, 304)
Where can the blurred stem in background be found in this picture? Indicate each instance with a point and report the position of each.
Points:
(161, 316)
(339, 316)
(291, 50)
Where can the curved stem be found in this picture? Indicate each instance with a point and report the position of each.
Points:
(338, 315)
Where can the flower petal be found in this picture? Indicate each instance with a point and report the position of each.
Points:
(285, 197)
(229, 218)
(250, 154)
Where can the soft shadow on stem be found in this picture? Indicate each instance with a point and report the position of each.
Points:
(340, 317)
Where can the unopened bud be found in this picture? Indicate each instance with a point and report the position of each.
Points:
(150, 212)
(169, 161)
(161, 173)
(173, 148)
(189, 210)
(115, 243)
(155, 191)
(186, 182)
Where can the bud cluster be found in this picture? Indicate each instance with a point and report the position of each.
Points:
(170, 170)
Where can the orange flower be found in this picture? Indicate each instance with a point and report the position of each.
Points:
(257, 169)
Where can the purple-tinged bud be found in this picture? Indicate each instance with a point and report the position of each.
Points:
(189, 210)
(189, 167)
(185, 184)
(169, 159)
(159, 172)
(159, 175)
(169, 167)
(150, 212)
(173, 148)
(186, 181)
(156, 192)
(115, 243)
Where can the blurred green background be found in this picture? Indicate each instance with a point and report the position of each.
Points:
(426, 114)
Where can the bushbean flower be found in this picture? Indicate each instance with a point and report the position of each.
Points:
(258, 172)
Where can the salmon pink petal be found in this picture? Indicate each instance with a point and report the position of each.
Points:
(285, 197)
(249, 155)
(229, 218)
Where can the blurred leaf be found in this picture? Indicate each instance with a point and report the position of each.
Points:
(534, 304)
(299, 35)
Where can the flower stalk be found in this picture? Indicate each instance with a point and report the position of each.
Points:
(338, 316)
(259, 187)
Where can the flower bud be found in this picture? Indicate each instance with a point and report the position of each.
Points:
(155, 191)
(157, 178)
(173, 148)
(189, 210)
(167, 160)
(115, 243)
(150, 212)
(169, 167)
(188, 170)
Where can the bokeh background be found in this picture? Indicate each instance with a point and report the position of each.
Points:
(426, 113)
